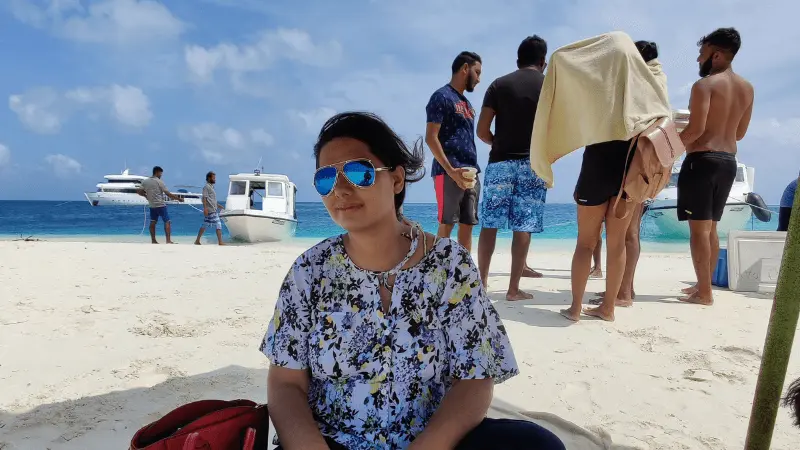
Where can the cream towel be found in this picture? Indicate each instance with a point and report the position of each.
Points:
(595, 90)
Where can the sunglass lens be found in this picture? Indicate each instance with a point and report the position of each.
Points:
(324, 179)
(361, 173)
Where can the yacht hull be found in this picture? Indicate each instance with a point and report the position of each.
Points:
(125, 199)
(663, 213)
(255, 226)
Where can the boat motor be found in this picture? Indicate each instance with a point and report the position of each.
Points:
(759, 207)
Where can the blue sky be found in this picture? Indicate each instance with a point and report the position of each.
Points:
(198, 85)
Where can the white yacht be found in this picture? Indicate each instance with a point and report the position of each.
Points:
(274, 219)
(739, 209)
(120, 190)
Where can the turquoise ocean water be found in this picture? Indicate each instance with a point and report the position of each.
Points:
(80, 220)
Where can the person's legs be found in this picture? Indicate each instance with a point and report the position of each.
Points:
(615, 263)
(520, 244)
(700, 243)
(153, 219)
(219, 236)
(597, 264)
(494, 212)
(632, 252)
(590, 220)
(526, 216)
(200, 234)
(448, 201)
(509, 434)
(468, 213)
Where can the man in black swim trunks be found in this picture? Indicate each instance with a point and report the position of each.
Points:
(720, 107)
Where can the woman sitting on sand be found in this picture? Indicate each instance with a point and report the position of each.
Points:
(383, 337)
(599, 182)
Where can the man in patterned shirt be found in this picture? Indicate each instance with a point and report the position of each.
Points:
(451, 137)
(210, 208)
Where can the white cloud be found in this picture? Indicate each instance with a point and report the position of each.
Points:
(102, 22)
(218, 144)
(127, 104)
(313, 119)
(5, 156)
(782, 132)
(259, 56)
(39, 109)
(63, 166)
(44, 110)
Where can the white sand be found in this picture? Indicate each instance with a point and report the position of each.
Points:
(98, 339)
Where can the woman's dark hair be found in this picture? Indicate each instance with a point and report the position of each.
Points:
(648, 50)
(792, 400)
(382, 141)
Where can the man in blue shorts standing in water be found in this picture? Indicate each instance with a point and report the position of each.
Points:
(154, 190)
(450, 134)
(513, 196)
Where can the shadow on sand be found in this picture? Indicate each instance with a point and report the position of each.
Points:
(109, 421)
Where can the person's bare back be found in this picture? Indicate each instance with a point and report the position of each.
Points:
(729, 100)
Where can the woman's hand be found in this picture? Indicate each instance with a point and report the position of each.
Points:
(289, 410)
(463, 408)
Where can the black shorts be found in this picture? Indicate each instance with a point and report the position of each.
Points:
(602, 170)
(456, 205)
(704, 185)
(784, 214)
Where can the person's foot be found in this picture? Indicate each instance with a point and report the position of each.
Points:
(527, 272)
(518, 295)
(197, 243)
(600, 313)
(596, 272)
(154, 242)
(170, 242)
(221, 244)
(568, 313)
(618, 302)
(689, 290)
(696, 299)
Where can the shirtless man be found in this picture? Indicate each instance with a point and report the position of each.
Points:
(721, 105)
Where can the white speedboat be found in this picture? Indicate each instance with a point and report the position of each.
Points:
(274, 219)
(738, 211)
(120, 190)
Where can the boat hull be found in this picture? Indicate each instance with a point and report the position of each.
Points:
(123, 199)
(665, 217)
(252, 228)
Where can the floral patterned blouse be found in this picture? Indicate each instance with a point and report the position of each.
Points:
(377, 379)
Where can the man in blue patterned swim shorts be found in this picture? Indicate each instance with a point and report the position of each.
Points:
(513, 196)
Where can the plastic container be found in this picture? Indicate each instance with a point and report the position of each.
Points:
(720, 276)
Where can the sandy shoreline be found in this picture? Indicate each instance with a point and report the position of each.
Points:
(97, 339)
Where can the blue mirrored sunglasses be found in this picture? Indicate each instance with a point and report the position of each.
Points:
(359, 172)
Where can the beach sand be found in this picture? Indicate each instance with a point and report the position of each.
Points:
(98, 339)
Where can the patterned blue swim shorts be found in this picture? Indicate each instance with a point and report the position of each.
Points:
(513, 197)
(212, 220)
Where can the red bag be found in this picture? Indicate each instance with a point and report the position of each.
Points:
(207, 425)
(651, 167)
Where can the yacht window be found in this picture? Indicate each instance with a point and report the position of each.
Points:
(740, 175)
(238, 187)
(275, 189)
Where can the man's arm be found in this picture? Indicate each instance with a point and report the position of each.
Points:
(699, 104)
(168, 193)
(141, 192)
(462, 409)
(485, 124)
(741, 130)
(289, 410)
(487, 115)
